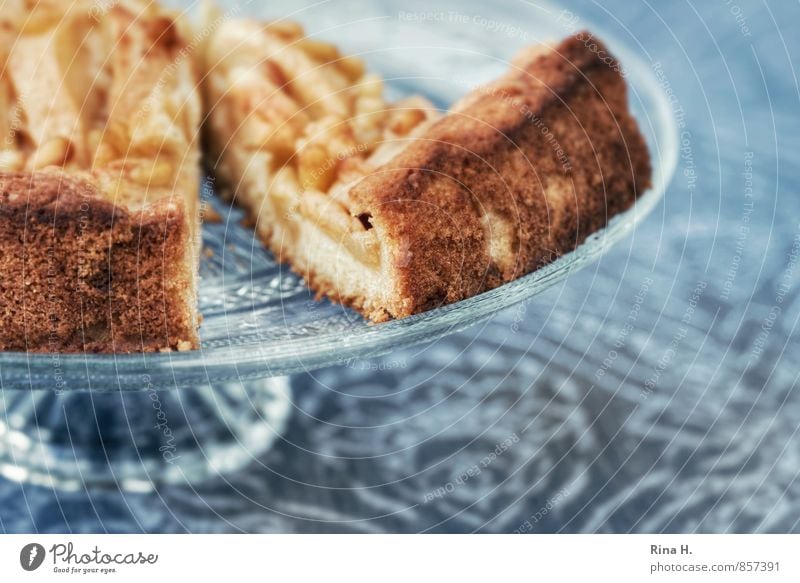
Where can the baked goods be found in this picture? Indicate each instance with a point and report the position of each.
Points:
(99, 178)
(394, 209)
(291, 125)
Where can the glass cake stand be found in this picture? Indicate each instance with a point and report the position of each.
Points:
(135, 421)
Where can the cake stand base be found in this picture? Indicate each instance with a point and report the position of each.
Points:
(137, 440)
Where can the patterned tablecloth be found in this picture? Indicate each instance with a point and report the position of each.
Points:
(654, 391)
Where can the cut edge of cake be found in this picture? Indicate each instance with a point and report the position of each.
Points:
(99, 209)
(518, 173)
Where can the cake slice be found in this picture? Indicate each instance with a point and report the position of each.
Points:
(394, 209)
(99, 226)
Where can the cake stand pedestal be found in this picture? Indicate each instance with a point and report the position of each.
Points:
(137, 440)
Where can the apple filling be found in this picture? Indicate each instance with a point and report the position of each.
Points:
(292, 125)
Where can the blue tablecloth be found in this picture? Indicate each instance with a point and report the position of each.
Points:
(653, 392)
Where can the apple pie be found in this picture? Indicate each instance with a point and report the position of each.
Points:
(394, 208)
(99, 178)
(391, 207)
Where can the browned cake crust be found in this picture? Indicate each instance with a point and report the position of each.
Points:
(81, 274)
(99, 224)
(519, 174)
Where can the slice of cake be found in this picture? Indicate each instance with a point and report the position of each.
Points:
(99, 226)
(394, 209)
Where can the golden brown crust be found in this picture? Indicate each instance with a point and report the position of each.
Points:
(519, 173)
(523, 173)
(81, 274)
(99, 217)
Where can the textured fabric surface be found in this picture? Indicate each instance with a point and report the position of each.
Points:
(655, 391)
